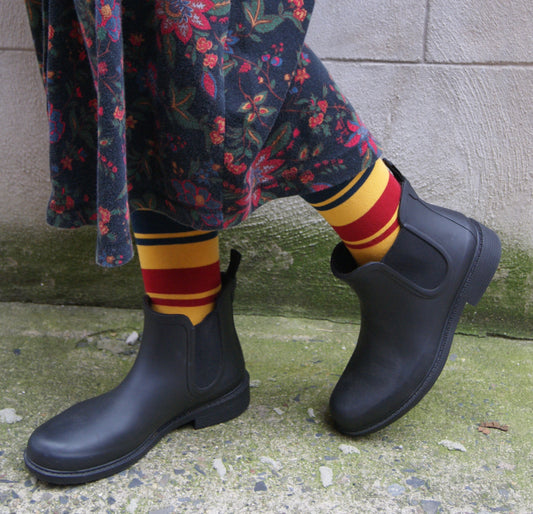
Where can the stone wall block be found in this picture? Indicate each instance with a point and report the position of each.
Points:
(24, 172)
(380, 30)
(480, 31)
(14, 27)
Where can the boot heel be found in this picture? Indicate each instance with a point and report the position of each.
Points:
(225, 408)
(486, 265)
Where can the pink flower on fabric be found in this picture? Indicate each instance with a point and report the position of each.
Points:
(180, 16)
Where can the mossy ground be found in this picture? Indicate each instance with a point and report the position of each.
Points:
(284, 271)
(52, 356)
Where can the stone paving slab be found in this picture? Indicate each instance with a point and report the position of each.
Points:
(282, 455)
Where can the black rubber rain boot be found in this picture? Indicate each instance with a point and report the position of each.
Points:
(183, 374)
(411, 302)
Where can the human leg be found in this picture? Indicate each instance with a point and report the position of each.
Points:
(180, 267)
(364, 213)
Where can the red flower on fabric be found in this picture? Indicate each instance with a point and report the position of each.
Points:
(216, 138)
(104, 218)
(264, 165)
(300, 14)
(136, 39)
(210, 60)
(103, 229)
(131, 122)
(307, 176)
(102, 68)
(58, 209)
(105, 215)
(108, 17)
(180, 16)
(301, 75)
(290, 174)
(119, 113)
(236, 169)
(316, 120)
(66, 163)
(203, 45)
(217, 135)
(220, 122)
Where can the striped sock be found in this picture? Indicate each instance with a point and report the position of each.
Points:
(180, 267)
(363, 212)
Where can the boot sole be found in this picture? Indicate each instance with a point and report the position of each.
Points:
(478, 277)
(222, 409)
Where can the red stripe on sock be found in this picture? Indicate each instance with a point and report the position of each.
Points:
(182, 281)
(376, 218)
(375, 241)
(196, 302)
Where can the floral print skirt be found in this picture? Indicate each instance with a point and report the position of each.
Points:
(200, 109)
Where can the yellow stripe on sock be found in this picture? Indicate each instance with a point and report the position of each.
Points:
(194, 296)
(176, 266)
(375, 252)
(190, 255)
(195, 314)
(363, 199)
(365, 213)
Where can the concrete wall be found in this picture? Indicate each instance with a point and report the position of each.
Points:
(444, 85)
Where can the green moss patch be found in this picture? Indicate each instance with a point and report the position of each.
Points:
(285, 271)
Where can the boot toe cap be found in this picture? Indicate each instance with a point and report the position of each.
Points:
(74, 440)
(362, 403)
(57, 446)
(354, 414)
(45, 451)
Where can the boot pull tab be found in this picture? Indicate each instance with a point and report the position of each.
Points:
(235, 260)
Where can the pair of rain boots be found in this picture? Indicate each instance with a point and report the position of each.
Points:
(410, 301)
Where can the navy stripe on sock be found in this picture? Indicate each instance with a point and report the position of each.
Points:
(322, 196)
(328, 193)
(175, 240)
